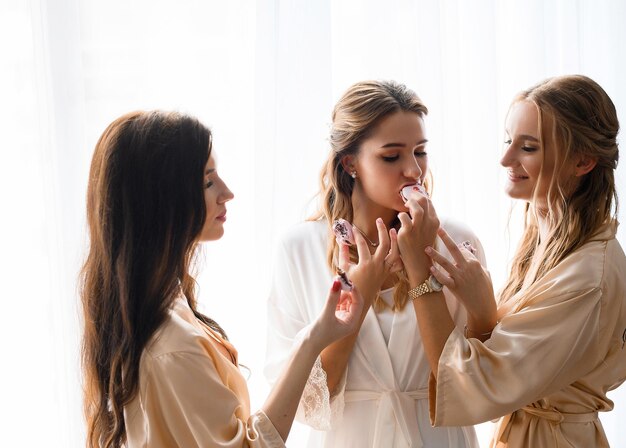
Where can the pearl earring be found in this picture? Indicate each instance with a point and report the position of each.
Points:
(353, 174)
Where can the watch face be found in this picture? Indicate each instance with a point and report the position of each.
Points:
(434, 283)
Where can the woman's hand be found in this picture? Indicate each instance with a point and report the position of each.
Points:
(468, 280)
(369, 273)
(340, 316)
(418, 230)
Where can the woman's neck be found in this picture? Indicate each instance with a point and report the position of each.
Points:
(366, 222)
(365, 213)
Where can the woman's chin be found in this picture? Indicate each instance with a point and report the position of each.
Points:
(213, 234)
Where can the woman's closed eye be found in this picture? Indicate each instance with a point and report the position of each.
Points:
(525, 148)
(393, 158)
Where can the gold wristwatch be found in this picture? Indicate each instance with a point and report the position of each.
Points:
(431, 284)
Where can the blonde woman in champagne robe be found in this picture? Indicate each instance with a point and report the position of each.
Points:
(556, 343)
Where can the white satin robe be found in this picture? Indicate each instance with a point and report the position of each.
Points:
(559, 347)
(382, 400)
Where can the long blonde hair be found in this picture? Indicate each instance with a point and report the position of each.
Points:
(354, 118)
(579, 118)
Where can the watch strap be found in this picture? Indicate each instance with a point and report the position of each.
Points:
(420, 290)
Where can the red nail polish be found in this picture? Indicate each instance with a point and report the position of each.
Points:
(336, 285)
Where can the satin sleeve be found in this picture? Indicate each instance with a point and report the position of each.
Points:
(530, 354)
(187, 404)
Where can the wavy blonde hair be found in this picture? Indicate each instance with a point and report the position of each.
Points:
(579, 119)
(355, 116)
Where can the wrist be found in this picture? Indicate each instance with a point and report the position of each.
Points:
(471, 333)
(314, 341)
(416, 276)
(417, 268)
(430, 285)
(484, 317)
(479, 327)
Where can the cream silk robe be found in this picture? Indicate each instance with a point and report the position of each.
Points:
(382, 401)
(190, 394)
(556, 351)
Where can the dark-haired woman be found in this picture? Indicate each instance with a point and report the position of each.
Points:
(158, 373)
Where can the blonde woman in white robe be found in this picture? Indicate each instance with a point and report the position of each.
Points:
(370, 390)
(556, 343)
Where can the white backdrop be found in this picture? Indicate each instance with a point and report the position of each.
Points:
(264, 75)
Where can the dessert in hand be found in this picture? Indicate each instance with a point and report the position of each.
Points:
(343, 232)
(406, 191)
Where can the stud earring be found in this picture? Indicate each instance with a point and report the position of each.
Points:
(353, 174)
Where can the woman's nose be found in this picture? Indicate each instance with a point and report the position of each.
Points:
(507, 158)
(225, 195)
(413, 169)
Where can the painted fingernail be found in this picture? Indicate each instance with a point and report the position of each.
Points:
(336, 286)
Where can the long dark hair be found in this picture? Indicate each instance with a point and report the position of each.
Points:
(145, 212)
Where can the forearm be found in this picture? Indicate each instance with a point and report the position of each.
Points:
(433, 317)
(480, 327)
(435, 325)
(282, 403)
(335, 357)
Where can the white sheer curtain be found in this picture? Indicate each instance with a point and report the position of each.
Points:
(264, 74)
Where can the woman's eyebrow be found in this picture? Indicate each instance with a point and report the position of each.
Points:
(402, 145)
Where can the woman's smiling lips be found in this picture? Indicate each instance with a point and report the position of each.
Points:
(516, 177)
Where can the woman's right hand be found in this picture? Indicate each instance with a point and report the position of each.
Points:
(340, 316)
(418, 230)
(371, 270)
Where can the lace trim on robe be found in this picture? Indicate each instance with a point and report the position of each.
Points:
(317, 409)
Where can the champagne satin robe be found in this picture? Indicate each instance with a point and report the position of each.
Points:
(558, 348)
(191, 394)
